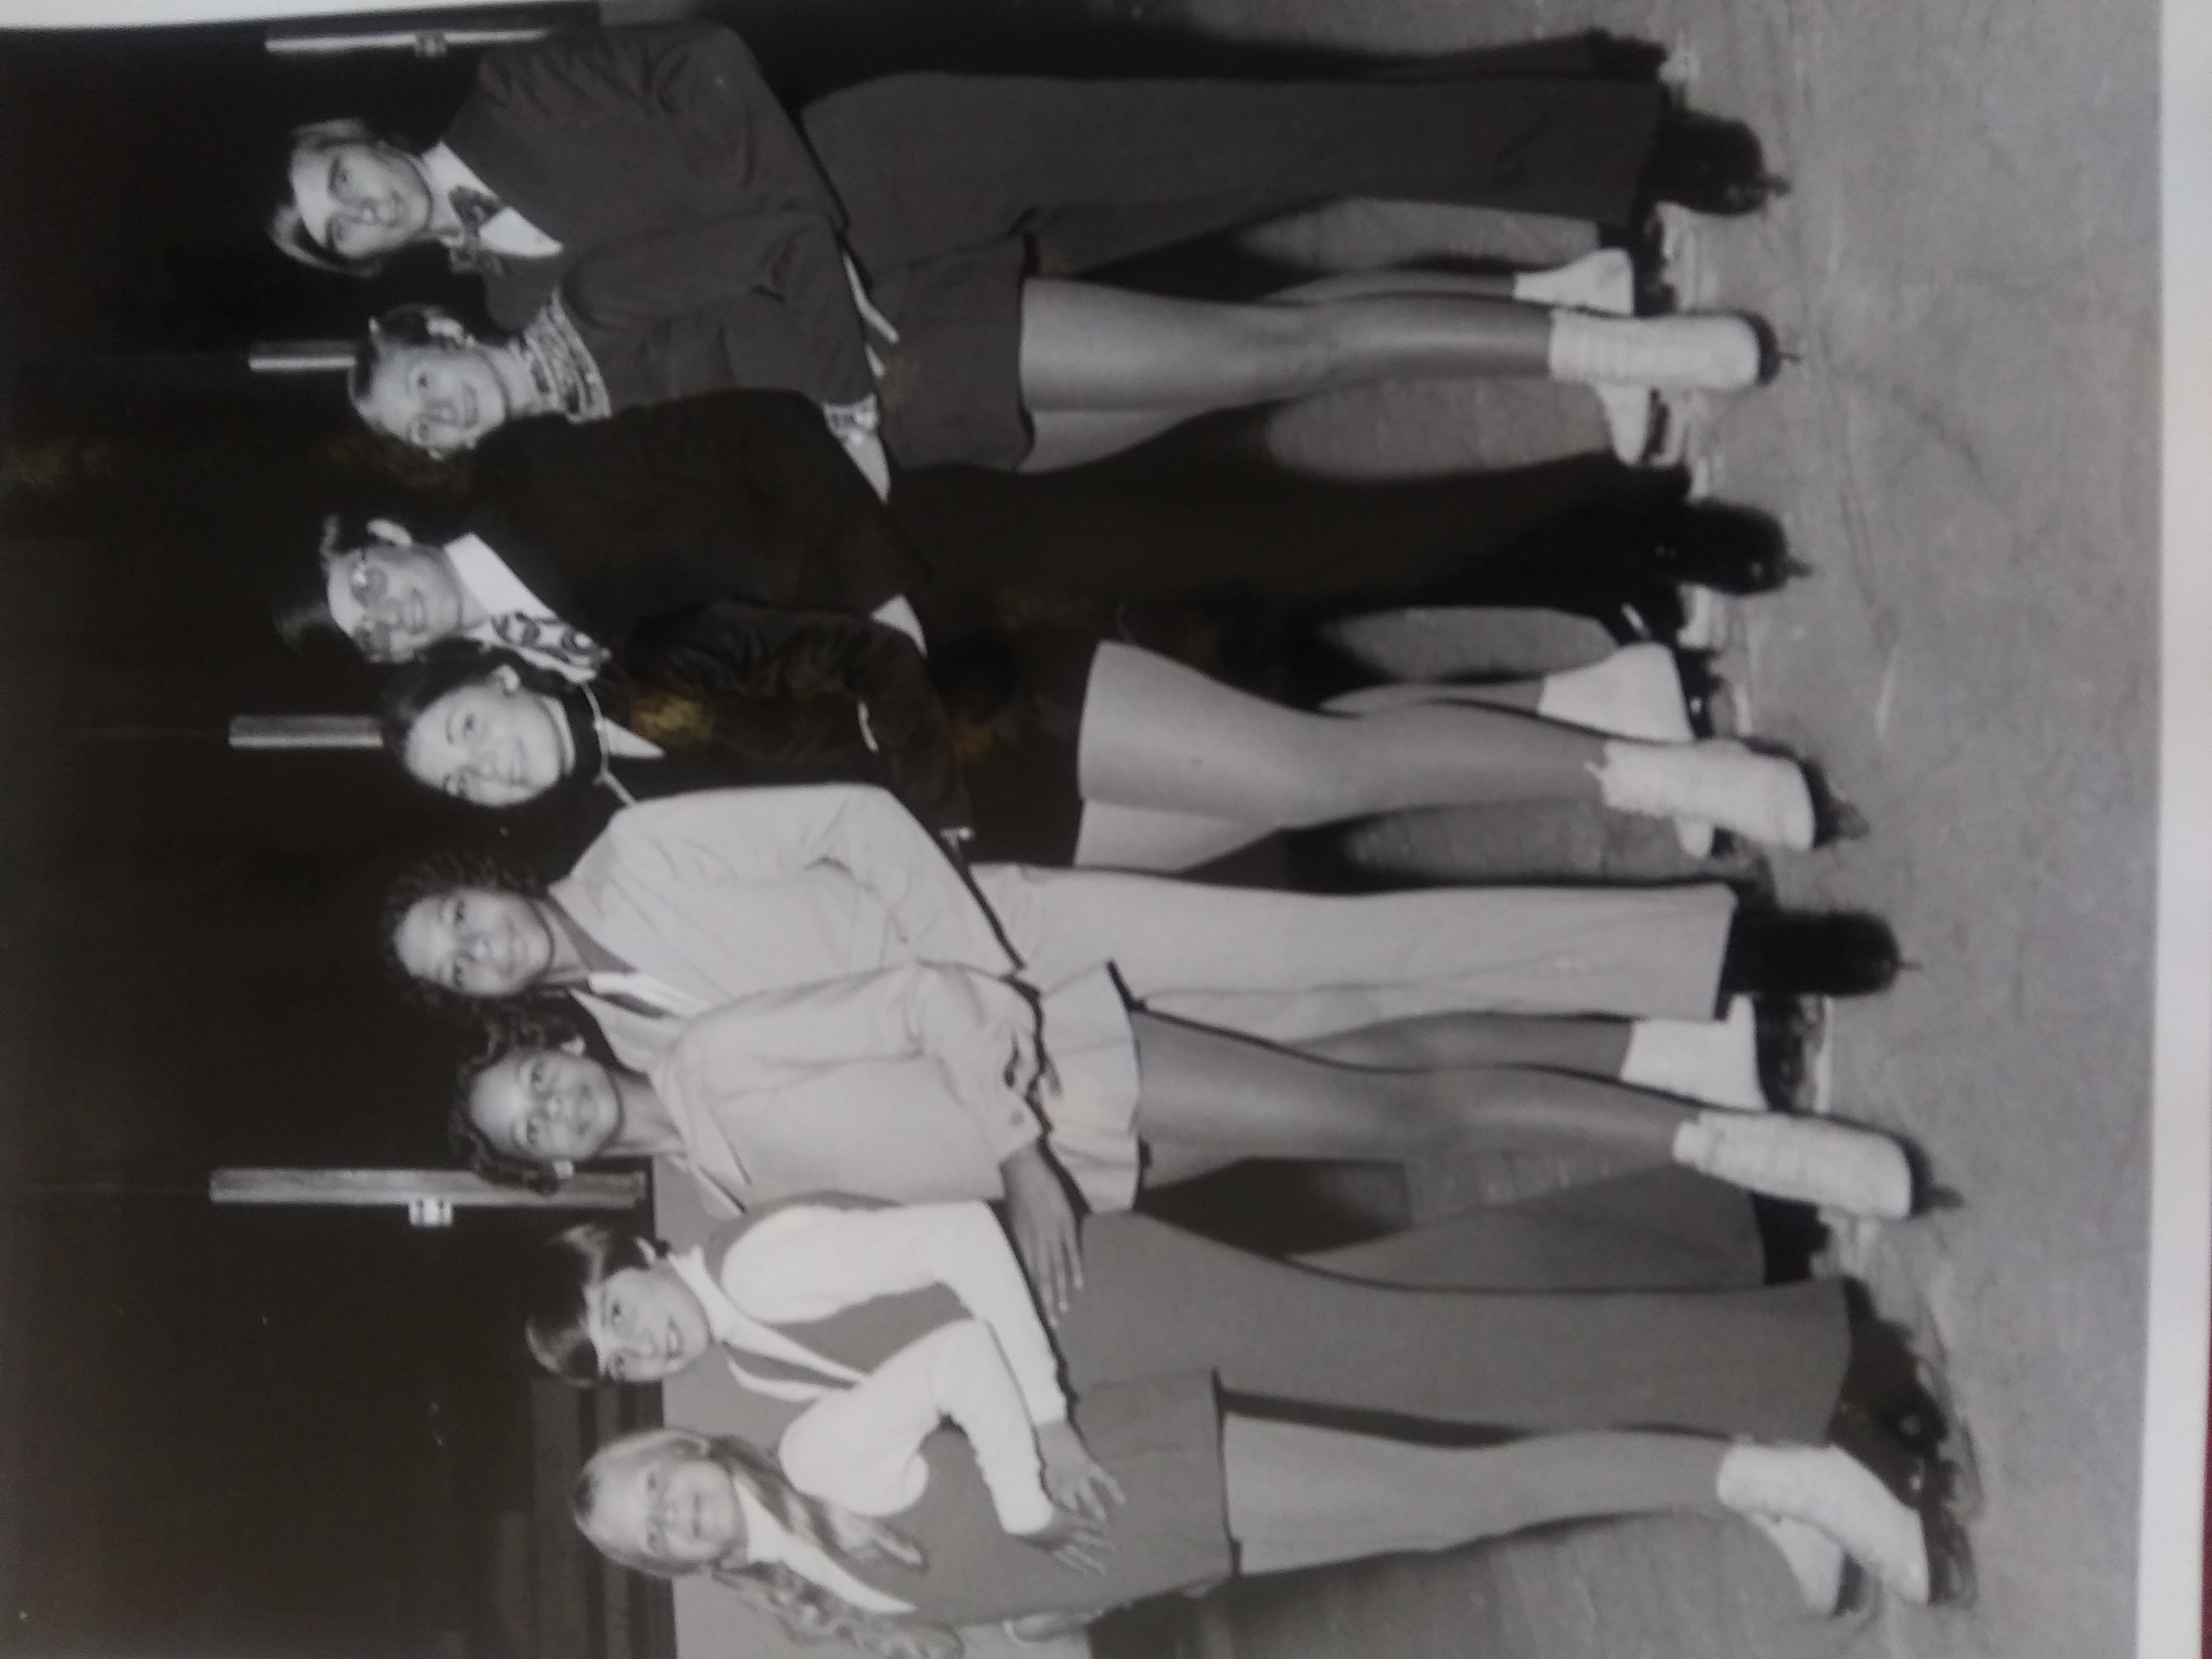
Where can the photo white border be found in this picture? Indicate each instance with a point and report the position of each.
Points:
(2170, 1560)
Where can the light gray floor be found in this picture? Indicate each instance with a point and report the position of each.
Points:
(1966, 453)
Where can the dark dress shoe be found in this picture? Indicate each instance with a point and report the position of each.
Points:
(1709, 165)
(1732, 550)
(1844, 954)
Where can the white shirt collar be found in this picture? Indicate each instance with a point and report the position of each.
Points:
(735, 1328)
(770, 1542)
(497, 589)
(506, 231)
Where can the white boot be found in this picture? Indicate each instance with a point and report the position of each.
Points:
(1826, 1488)
(1762, 798)
(1707, 623)
(1690, 354)
(1808, 1159)
(1816, 1560)
(1637, 692)
(1632, 421)
(1714, 1062)
(1603, 282)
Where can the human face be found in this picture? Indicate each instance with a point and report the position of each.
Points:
(476, 942)
(491, 742)
(394, 600)
(672, 1507)
(645, 1324)
(441, 398)
(359, 198)
(546, 1106)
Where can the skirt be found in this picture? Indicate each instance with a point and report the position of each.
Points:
(1160, 1437)
(951, 390)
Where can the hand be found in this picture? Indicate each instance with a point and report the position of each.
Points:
(1074, 1542)
(1042, 1220)
(895, 1641)
(1074, 1479)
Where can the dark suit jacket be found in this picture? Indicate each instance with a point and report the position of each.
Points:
(626, 135)
(741, 496)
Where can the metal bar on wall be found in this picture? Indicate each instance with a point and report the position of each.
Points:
(297, 732)
(301, 356)
(422, 42)
(429, 1196)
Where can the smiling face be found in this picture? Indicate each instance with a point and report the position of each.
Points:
(392, 599)
(359, 198)
(493, 742)
(644, 1324)
(475, 942)
(660, 1502)
(545, 1106)
(442, 397)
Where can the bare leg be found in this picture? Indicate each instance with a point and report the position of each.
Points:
(1061, 438)
(1592, 1047)
(1304, 1496)
(1086, 347)
(1156, 734)
(1205, 1089)
(1111, 837)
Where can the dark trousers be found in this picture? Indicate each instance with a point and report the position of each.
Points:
(1093, 172)
(1166, 527)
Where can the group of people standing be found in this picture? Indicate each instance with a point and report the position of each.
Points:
(888, 921)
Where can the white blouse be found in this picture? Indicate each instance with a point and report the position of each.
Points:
(994, 1375)
(726, 893)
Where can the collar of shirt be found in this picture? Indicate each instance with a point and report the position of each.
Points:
(498, 591)
(768, 1542)
(495, 588)
(735, 1328)
(506, 231)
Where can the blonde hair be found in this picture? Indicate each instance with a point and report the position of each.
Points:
(804, 1607)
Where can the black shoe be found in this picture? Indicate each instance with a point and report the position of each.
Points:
(1708, 166)
(1787, 1031)
(1732, 550)
(1843, 954)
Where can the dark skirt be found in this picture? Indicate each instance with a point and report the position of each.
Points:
(951, 387)
(1161, 1438)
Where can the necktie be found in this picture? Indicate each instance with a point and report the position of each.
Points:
(554, 640)
(475, 209)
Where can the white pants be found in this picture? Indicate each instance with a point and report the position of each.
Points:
(1289, 966)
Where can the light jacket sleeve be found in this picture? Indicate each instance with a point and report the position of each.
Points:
(805, 1262)
(963, 1023)
(862, 1447)
(760, 835)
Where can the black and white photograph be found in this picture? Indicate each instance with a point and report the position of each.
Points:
(1104, 829)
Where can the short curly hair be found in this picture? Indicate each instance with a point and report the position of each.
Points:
(442, 873)
(528, 1028)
